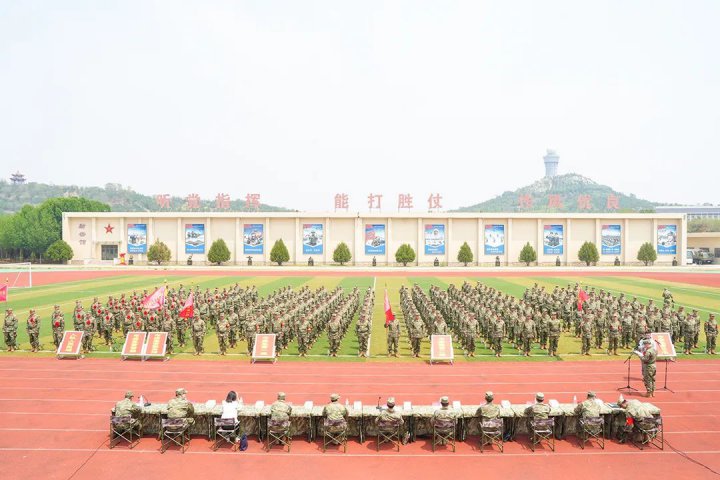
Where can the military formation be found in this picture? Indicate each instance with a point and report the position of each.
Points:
(471, 314)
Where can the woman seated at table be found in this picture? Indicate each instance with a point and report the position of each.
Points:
(230, 406)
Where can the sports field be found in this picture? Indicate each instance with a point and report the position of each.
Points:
(693, 290)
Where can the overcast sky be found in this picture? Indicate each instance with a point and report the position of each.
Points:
(299, 100)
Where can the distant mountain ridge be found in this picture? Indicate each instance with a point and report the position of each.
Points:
(120, 198)
(569, 187)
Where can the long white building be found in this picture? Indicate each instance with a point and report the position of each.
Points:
(105, 237)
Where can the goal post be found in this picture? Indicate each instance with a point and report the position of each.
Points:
(16, 275)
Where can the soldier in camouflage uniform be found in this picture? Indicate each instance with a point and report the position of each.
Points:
(689, 327)
(303, 336)
(58, 325)
(334, 334)
(417, 332)
(198, 332)
(88, 329)
(127, 408)
(335, 414)
(554, 329)
(362, 331)
(614, 332)
(648, 355)
(252, 328)
(180, 407)
(627, 329)
(586, 328)
(222, 328)
(393, 336)
(528, 335)
(234, 321)
(444, 412)
(107, 324)
(711, 331)
(498, 327)
(167, 326)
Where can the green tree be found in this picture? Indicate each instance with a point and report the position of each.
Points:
(59, 251)
(405, 254)
(527, 254)
(588, 253)
(158, 252)
(465, 255)
(219, 252)
(341, 254)
(647, 253)
(279, 253)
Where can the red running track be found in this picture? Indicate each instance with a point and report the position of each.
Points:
(59, 276)
(54, 419)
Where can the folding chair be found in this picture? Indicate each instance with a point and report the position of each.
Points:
(388, 431)
(648, 431)
(174, 431)
(227, 430)
(444, 432)
(335, 432)
(491, 433)
(542, 430)
(591, 428)
(278, 433)
(124, 428)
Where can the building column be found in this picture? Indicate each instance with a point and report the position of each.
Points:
(508, 236)
(480, 241)
(420, 243)
(568, 233)
(539, 239)
(180, 240)
(266, 242)
(654, 234)
(388, 234)
(298, 240)
(238, 240)
(448, 240)
(359, 240)
(327, 255)
(93, 239)
(625, 241)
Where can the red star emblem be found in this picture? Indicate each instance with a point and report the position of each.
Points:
(109, 228)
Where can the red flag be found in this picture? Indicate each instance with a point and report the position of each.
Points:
(3, 293)
(188, 309)
(156, 300)
(582, 296)
(388, 310)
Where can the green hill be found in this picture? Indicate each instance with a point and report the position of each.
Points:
(120, 198)
(569, 187)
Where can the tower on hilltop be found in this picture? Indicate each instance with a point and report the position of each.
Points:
(551, 163)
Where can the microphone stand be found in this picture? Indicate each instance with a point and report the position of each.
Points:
(378, 404)
(628, 387)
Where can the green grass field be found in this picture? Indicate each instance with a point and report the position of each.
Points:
(704, 299)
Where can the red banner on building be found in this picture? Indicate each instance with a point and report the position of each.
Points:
(441, 348)
(264, 348)
(70, 344)
(134, 342)
(156, 344)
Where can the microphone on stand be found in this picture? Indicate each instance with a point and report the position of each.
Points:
(378, 404)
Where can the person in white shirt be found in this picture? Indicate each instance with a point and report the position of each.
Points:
(230, 406)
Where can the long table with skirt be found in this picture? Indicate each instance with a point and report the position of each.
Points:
(361, 422)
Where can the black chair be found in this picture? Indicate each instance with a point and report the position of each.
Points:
(124, 429)
(542, 430)
(227, 430)
(648, 431)
(444, 429)
(491, 433)
(591, 428)
(174, 431)
(278, 433)
(388, 431)
(335, 432)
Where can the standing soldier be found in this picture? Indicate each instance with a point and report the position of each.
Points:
(627, 328)
(128, 321)
(586, 328)
(362, 330)
(10, 327)
(234, 321)
(303, 336)
(88, 329)
(667, 297)
(417, 332)
(711, 331)
(393, 336)
(167, 326)
(33, 330)
(528, 335)
(223, 331)
(647, 357)
(198, 333)
(697, 328)
(251, 330)
(498, 330)
(334, 334)
(107, 323)
(58, 325)
(471, 329)
(614, 331)
(689, 327)
(181, 326)
(554, 329)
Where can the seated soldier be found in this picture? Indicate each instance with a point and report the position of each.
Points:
(589, 408)
(389, 416)
(180, 407)
(635, 411)
(489, 410)
(335, 414)
(539, 410)
(127, 408)
(280, 411)
(443, 415)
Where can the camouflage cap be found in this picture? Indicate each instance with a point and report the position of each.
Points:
(334, 397)
(281, 396)
(591, 394)
(129, 394)
(489, 395)
(539, 396)
(391, 401)
(180, 391)
(444, 400)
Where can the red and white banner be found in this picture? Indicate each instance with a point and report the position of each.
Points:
(156, 344)
(156, 300)
(264, 348)
(388, 310)
(70, 344)
(3, 293)
(133, 346)
(188, 310)
(582, 297)
(441, 348)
